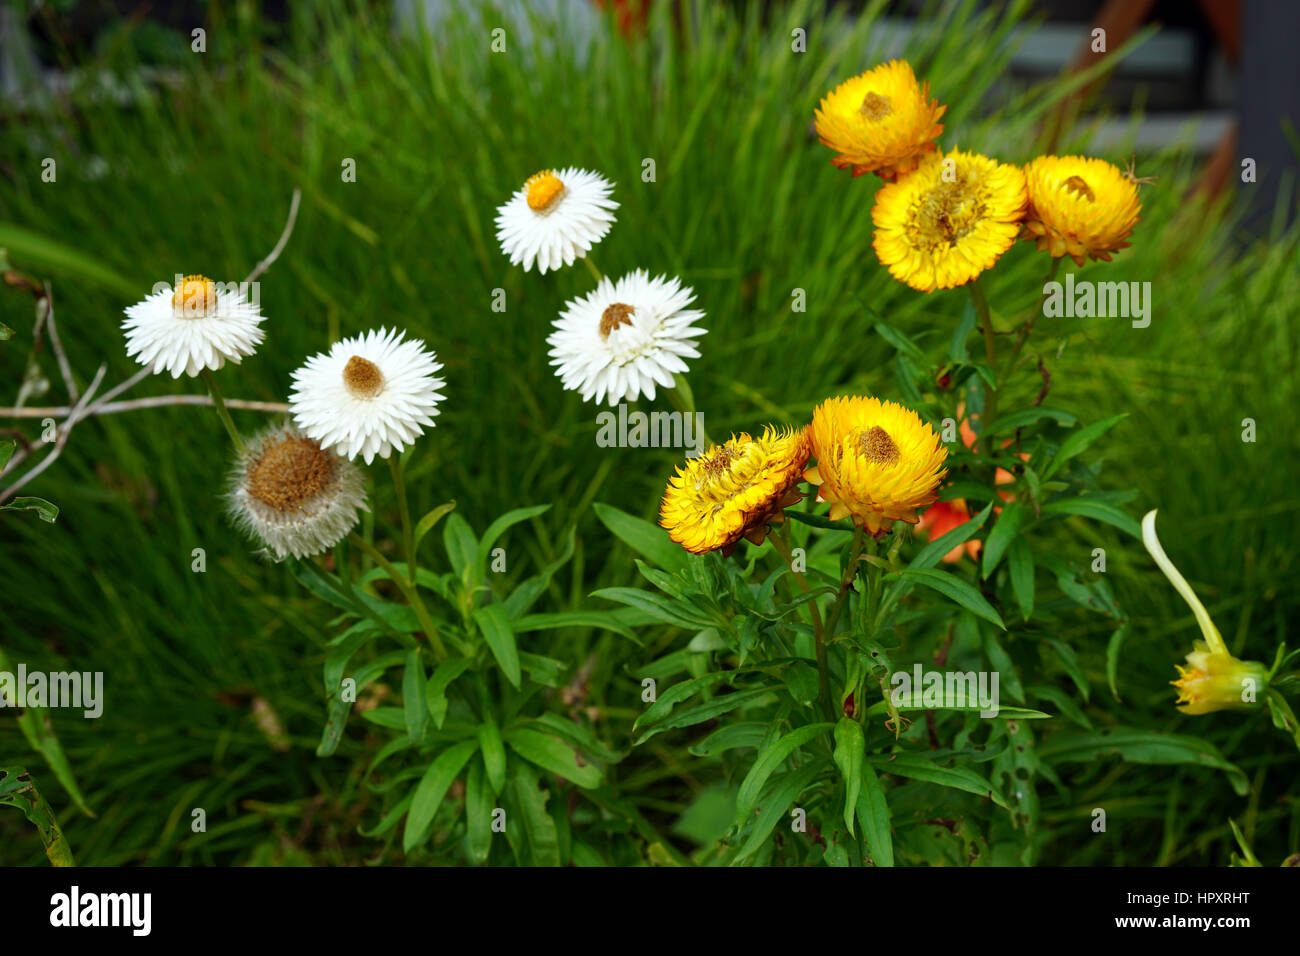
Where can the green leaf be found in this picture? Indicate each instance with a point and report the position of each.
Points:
(461, 545)
(495, 628)
(769, 759)
(413, 697)
(933, 552)
(850, 749)
(921, 768)
(1006, 529)
(1112, 658)
(1102, 511)
(44, 509)
(1141, 746)
(426, 524)
(7, 447)
(17, 789)
(1027, 416)
(802, 682)
(539, 827)
(678, 613)
(1080, 440)
(873, 811)
(46, 256)
(648, 540)
(478, 813)
(1020, 564)
(435, 691)
(499, 527)
(551, 754)
(709, 710)
(956, 590)
(494, 754)
(433, 786)
(900, 341)
(775, 801)
(602, 620)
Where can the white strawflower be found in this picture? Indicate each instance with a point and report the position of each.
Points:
(625, 337)
(555, 218)
(197, 326)
(367, 395)
(293, 496)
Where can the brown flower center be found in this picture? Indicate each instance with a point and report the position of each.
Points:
(875, 107)
(878, 446)
(289, 472)
(362, 377)
(194, 297)
(1076, 185)
(614, 316)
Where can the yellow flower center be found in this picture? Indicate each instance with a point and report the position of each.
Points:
(875, 107)
(1188, 678)
(544, 189)
(1076, 185)
(614, 316)
(949, 211)
(195, 297)
(363, 378)
(290, 472)
(877, 446)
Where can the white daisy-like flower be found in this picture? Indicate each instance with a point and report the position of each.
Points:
(367, 395)
(198, 325)
(293, 496)
(555, 218)
(625, 337)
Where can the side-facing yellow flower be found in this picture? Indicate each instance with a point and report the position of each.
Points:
(1213, 679)
(735, 490)
(1079, 206)
(943, 225)
(882, 121)
(876, 461)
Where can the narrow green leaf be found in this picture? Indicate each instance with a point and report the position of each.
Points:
(426, 524)
(873, 811)
(648, 540)
(769, 759)
(1080, 440)
(478, 813)
(494, 754)
(413, 697)
(1005, 531)
(435, 693)
(551, 754)
(850, 749)
(921, 768)
(502, 524)
(955, 590)
(495, 628)
(433, 786)
(1020, 564)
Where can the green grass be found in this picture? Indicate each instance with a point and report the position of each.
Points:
(745, 207)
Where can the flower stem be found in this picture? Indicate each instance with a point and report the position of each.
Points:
(220, 405)
(781, 541)
(682, 398)
(981, 303)
(404, 509)
(409, 590)
(591, 266)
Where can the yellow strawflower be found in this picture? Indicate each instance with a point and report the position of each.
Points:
(881, 121)
(735, 490)
(942, 225)
(877, 462)
(1079, 207)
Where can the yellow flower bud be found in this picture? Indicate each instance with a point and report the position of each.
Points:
(1213, 679)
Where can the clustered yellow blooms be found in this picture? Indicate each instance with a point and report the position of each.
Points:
(1213, 679)
(943, 219)
(877, 463)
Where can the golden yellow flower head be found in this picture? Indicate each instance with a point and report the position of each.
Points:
(735, 490)
(943, 225)
(876, 461)
(1079, 207)
(881, 121)
(1213, 679)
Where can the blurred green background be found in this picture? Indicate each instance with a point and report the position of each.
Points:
(170, 161)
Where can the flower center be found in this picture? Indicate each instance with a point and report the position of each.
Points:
(614, 316)
(1076, 185)
(948, 212)
(289, 472)
(877, 446)
(195, 297)
(544, 190)
(875, 107)
(362, 377)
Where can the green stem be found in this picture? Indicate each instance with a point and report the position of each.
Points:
(592, 267)
(403, 509)
(782, 542)
(1027, 326)
(682, 398)
(410, 591)
(981, 303)
(219, 404)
